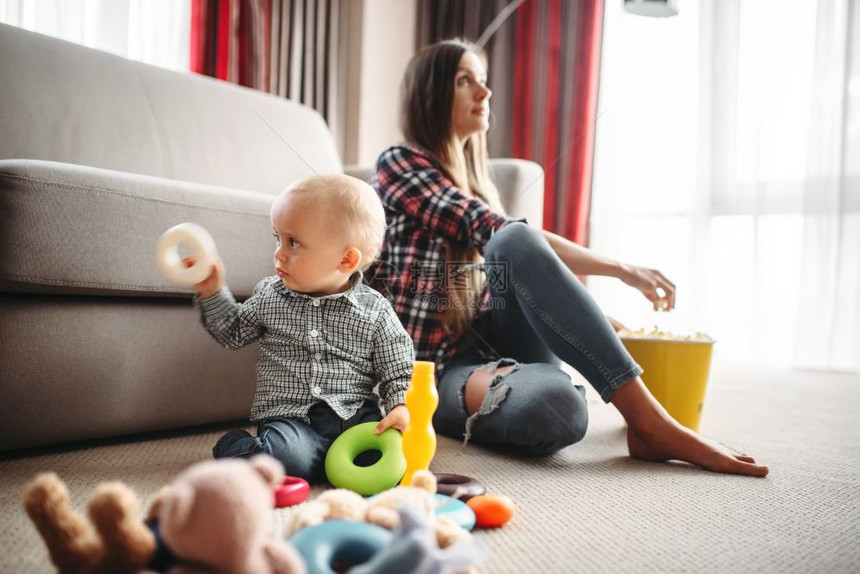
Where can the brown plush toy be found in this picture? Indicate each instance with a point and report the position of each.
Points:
(215, 517)
(381, 509)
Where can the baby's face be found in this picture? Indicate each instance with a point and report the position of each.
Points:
(309, 247)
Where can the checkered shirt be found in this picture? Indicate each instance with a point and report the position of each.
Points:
(334, 348)
(424, 210)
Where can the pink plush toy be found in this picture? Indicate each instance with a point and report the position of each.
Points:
(215, 517)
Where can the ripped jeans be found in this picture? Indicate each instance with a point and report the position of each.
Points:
(542, 314)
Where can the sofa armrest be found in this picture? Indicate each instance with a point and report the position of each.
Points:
(362, 172)
(520, 183)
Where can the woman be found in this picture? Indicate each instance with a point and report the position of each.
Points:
(497, 336)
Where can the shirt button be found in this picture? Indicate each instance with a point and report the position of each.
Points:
(314, 332)
(316, 302)
(317, 390)
(317, 356)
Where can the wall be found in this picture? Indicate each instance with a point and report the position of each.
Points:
(380, 41)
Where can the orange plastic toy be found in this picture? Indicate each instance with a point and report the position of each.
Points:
(491, 510)
(419, 438)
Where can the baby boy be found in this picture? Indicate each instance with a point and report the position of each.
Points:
(326, 338)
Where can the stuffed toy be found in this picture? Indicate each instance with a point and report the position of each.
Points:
(342, 504)
(214, 517)
(414, 549)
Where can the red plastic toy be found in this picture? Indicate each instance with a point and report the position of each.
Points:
(293, 491)
(491, 510)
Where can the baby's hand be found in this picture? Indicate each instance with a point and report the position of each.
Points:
(397, 418)
(213, 283)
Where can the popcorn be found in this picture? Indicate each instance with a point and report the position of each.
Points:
(657, 333)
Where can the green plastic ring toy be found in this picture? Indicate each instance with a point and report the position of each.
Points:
(342, 471)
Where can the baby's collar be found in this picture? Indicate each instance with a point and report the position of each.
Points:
(355, 280)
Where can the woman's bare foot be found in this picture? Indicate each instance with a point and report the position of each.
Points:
(682, 444)
(654, 435)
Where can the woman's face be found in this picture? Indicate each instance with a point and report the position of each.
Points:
(470, 111)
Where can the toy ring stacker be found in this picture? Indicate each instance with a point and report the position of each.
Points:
(456, 510)
(459, 486)
(170, 262)
(340, 467)
(292, 491)
(342, 541)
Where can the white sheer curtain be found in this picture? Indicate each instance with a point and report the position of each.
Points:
(151, 31)
(728, 156)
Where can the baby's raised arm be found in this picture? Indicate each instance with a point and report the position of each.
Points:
(232, 324)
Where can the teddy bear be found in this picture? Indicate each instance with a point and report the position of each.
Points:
(215, 516)
(381, 509)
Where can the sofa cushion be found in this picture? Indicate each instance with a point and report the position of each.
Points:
(74, 229)
(65, 102)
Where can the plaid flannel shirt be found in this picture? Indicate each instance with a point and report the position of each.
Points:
(424, 210)
(334, 348)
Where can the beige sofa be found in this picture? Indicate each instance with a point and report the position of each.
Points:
(98, 156)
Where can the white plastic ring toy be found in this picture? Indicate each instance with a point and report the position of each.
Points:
(202, 249)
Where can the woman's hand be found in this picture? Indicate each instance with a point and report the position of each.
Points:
(213, 283)
(583, 261)
(653, 284)
(398, 418)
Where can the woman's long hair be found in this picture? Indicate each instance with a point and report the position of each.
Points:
(427, 101)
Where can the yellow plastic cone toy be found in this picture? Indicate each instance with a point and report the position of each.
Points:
(419, 438)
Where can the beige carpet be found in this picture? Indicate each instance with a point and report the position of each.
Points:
(590, 508)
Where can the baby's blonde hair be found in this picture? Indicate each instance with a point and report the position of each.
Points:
(355, 207)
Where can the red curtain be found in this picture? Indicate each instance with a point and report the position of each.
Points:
(230, 40)
(566, 154)
(544, 73)
(290, 48)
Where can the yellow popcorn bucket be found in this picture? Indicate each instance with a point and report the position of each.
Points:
(676, 373)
